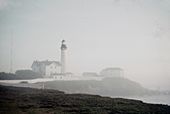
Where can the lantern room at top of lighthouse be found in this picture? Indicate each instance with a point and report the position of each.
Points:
(63, 45)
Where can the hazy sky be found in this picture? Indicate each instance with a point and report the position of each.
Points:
(131, 34)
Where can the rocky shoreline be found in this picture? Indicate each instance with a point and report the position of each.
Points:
(20, 100)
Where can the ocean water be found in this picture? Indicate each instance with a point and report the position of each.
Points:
(154, 99)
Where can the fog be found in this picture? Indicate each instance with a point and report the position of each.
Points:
(132, 34)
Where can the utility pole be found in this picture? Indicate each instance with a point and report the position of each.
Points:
(11, 54)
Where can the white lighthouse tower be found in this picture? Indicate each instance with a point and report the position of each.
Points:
(63, 61)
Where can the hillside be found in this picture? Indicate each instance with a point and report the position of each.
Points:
(15, 100)
(109, 87)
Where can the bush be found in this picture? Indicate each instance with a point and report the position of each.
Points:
(27, 74)
(20, 75)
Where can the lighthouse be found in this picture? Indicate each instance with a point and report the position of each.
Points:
(63, 54)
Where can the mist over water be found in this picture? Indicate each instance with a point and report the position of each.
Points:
(156, 99)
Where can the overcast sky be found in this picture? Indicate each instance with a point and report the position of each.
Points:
(131, 34)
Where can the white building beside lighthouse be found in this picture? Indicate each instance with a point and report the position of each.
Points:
(46, 68)
(52, 68)
(112, 72)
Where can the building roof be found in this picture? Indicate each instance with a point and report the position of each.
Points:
(111, 69)
(39, 63)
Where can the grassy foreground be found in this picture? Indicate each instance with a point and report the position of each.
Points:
(17, 100)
